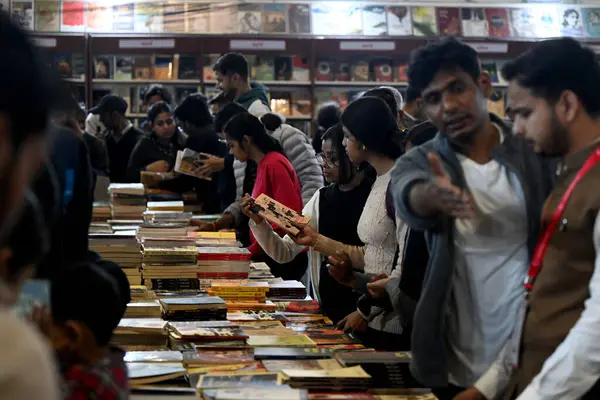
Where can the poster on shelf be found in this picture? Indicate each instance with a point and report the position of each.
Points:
(424, 21)
(474, 23)
(547, 22)
(72, 16)
(99, 17)
(449, 21)
(275, 18)
(299, 18)
(399, 21)
(197, 18)
(249, 17)
(123, 17)
(22, 14)
(47, 16)
(570, 18)
(333, 18)
(374, 20)
(522, 22)
(148, 18)
(497, 19)
(592, 21)
(223, 17)
(174, 17)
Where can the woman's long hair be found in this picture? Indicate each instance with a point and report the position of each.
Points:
(336, 135)
(246, 124)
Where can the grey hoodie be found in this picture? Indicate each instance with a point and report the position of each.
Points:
(255, 101)
(429, 363)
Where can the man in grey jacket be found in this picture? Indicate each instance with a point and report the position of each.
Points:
(477, 192)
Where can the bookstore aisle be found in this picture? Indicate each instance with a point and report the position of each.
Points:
(206, 322)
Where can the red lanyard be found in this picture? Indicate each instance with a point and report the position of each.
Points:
(542, 245)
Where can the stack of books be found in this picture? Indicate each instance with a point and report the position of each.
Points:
(205, 332)
(127, 201)
(141, 334)
(260, 271)
(101, 212)
(140, 293)
(166, 212)
(255, 392)
(170, 268)
(223, 263)
(352, 379)
(143, 309)
(121, 248)
(235, 291)
(388, 369)
(164, 230)
(287, 290)
(215, 239)
(193, 309)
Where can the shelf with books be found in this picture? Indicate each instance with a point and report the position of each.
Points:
(134, 82)
(272, 83)
(367, 84)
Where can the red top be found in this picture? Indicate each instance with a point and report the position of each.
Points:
(276, 178)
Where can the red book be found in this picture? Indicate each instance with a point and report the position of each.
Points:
(448, 21)
(498, 22)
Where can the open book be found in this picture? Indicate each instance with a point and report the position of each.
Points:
(278, 214)
(187, 162)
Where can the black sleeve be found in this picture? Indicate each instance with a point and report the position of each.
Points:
(138, 161)
(98, 154)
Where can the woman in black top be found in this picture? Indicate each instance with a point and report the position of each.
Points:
(334, 211)
(158, 150)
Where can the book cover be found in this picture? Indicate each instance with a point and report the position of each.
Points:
(153, 356)
(123, 20)
(299, 18)
(99, 17)
(342, 71)
(148, 17)
(123, 68)
(174, 17)
(103, 67)
(336, 18)
(324, 70)
(359, 71)
(197, 18)
(571, 21)
(264, 68)
(449, 21)
(274, 18)
(474, 23)
(300, 71)
(163, 67)
(492, 70)
(64, 65)
(262, 380)
(522, 22)
(188, 67)
(146, 373)
(283, 68)
(300, 103)
(249, 17)
(374, 21)
(282, 353)
(142, 67)
(498, 22)
(308, 365)
(72, 16)
(78, 63)
(547, 22)
(47, 16)
(187, 162)
(281, 341)
(190, 332)
(592, 21)
(399, 21)
(279, 214)
(424, 22)
(325, 336)
(217, 357)
(273, 393)
(223, 17)
(22, 14)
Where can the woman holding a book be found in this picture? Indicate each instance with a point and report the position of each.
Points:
(248, 139)
(157, 151)
(334, 211)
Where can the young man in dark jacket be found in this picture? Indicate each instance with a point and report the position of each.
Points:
(477, 192)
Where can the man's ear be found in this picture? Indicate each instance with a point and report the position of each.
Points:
(485, 83)
(567, 107)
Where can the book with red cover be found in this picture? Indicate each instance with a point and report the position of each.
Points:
(448, 21)
(401, 73)
(223, 254)
(342, 71)
(383, 71)
(324, 70)
(498, 22)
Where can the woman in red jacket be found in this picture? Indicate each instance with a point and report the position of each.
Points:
(275, 177)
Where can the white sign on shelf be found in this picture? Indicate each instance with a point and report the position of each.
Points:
(147, 43)
(489, 47)
(48, 43)
(367, 45)
(242, 44)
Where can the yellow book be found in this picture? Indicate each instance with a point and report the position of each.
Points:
(278, 341)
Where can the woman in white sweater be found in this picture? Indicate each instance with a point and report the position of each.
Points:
(334, 211)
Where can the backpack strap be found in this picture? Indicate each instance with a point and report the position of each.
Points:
(390, 209)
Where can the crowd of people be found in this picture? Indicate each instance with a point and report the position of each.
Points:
(435, 226)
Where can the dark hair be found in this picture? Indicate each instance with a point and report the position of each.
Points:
(87, 294)
(421, 133)
(385, 95)
(329, 115)
(232, 63)
(158, 90)
(271, 121)
(544, 71)
(29, 240)
(156, 109)
(412, 94)
(336, 135)
(30, 91)
(222, 98)
(194, 110)
(246, 124)
(371, 122)
(223, 116)
(116, 272)
(447, 54)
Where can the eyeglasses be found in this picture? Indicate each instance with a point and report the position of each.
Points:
(330, 160)
(161, 123)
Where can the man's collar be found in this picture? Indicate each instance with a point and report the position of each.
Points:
(127, 128)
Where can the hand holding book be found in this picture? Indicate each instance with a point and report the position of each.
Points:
(274, 212)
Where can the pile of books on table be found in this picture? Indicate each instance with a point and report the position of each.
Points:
(236, 291)
(287, 290)
(101, 214)
(207, 308)
(121, 248)
(127, 201)
(169, 268)
(141, 334)
(166, 212)
(143, 309)
(215, 239)
(223, 263)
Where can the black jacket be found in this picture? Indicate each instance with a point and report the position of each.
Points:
(149, 150)
(119, 152)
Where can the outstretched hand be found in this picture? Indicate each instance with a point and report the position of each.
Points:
(340, 269)
(246, 204)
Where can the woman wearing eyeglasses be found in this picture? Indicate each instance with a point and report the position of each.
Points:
(334, 211)
(157, 151)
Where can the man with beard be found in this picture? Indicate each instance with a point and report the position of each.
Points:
(477, 192)
(232, 78)
(556, 346)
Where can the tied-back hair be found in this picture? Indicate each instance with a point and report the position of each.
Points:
(246, 124)
(336, 135)
(271, 121)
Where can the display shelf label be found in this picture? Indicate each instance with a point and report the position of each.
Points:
(488, 47)
(349, 45)
(48, 43)
(240, 44)
(147, 43)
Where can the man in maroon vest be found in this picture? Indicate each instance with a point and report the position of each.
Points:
(554, 99)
